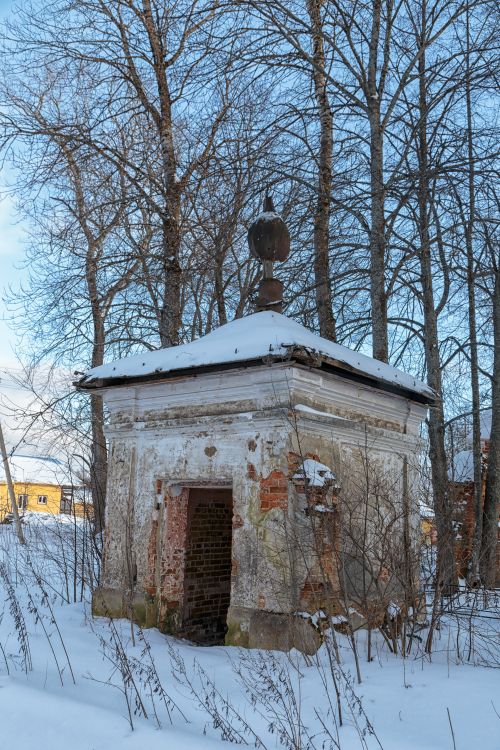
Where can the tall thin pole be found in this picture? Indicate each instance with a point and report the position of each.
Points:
(10, 487)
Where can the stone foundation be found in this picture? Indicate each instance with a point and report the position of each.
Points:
(245, 628)
(141, 608)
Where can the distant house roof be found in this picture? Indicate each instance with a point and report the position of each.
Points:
(485, 423)
(37, 470)
(264, 336)
(425, 510)
(462, 467)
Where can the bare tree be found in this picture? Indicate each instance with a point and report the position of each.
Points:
(77, 271)
(489, 546)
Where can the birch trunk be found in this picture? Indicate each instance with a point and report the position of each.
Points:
(476, 420)
(219, 292)
(446, 569)
(170, 318)
(377, 230)
(323, 207)
(489, 563)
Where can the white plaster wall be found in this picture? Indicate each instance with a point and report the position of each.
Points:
(167, 430)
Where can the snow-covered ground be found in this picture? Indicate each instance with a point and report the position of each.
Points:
(46, 642)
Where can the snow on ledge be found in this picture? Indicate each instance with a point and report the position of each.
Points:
(315, 473)
(310, 410)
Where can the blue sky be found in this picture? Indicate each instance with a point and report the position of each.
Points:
(11, 250)
(11, 254)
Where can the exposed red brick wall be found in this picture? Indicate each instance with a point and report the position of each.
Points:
(173, 549)
(251, 471)
(463, 513)
(463, 502)
(274, 491)
(321, 589)
(237, 521)
(150, 581)
(293, 462)
(207, 581)
(313, 457)
(195, 566)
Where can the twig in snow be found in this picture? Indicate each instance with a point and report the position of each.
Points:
(451, 727)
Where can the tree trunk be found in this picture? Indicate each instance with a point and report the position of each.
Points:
(322, 217)
(489, 564)
(10, 488)
(99, 452)
(476, 420)
(170, 320)
(99, 463)
(446, 569)
(220, 254)
(170, 317)
(377, 231)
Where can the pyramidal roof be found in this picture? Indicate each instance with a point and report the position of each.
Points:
(264, 336)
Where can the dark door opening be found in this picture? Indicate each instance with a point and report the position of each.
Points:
(207, 575)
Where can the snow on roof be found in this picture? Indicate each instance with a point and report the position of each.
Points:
(425, 510)
(462, 468)
(36, 470)
(315, 473)
(82, 496)
(253, 337)
(267, 216)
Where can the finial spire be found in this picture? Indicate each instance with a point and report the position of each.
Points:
(268, 204)
(269, 241)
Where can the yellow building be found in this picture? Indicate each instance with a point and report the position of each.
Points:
(41, 484)
(427, 524)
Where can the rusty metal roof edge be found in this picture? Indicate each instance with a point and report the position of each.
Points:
(301, 355)
(348, 371)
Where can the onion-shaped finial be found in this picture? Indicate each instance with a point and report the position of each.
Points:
(268, 237)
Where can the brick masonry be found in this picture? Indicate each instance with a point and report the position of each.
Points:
(173, 550)
(464, 517)
(274, 491)
(191, 580)
(207, 578)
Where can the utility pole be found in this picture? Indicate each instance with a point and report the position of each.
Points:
(10, 487)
